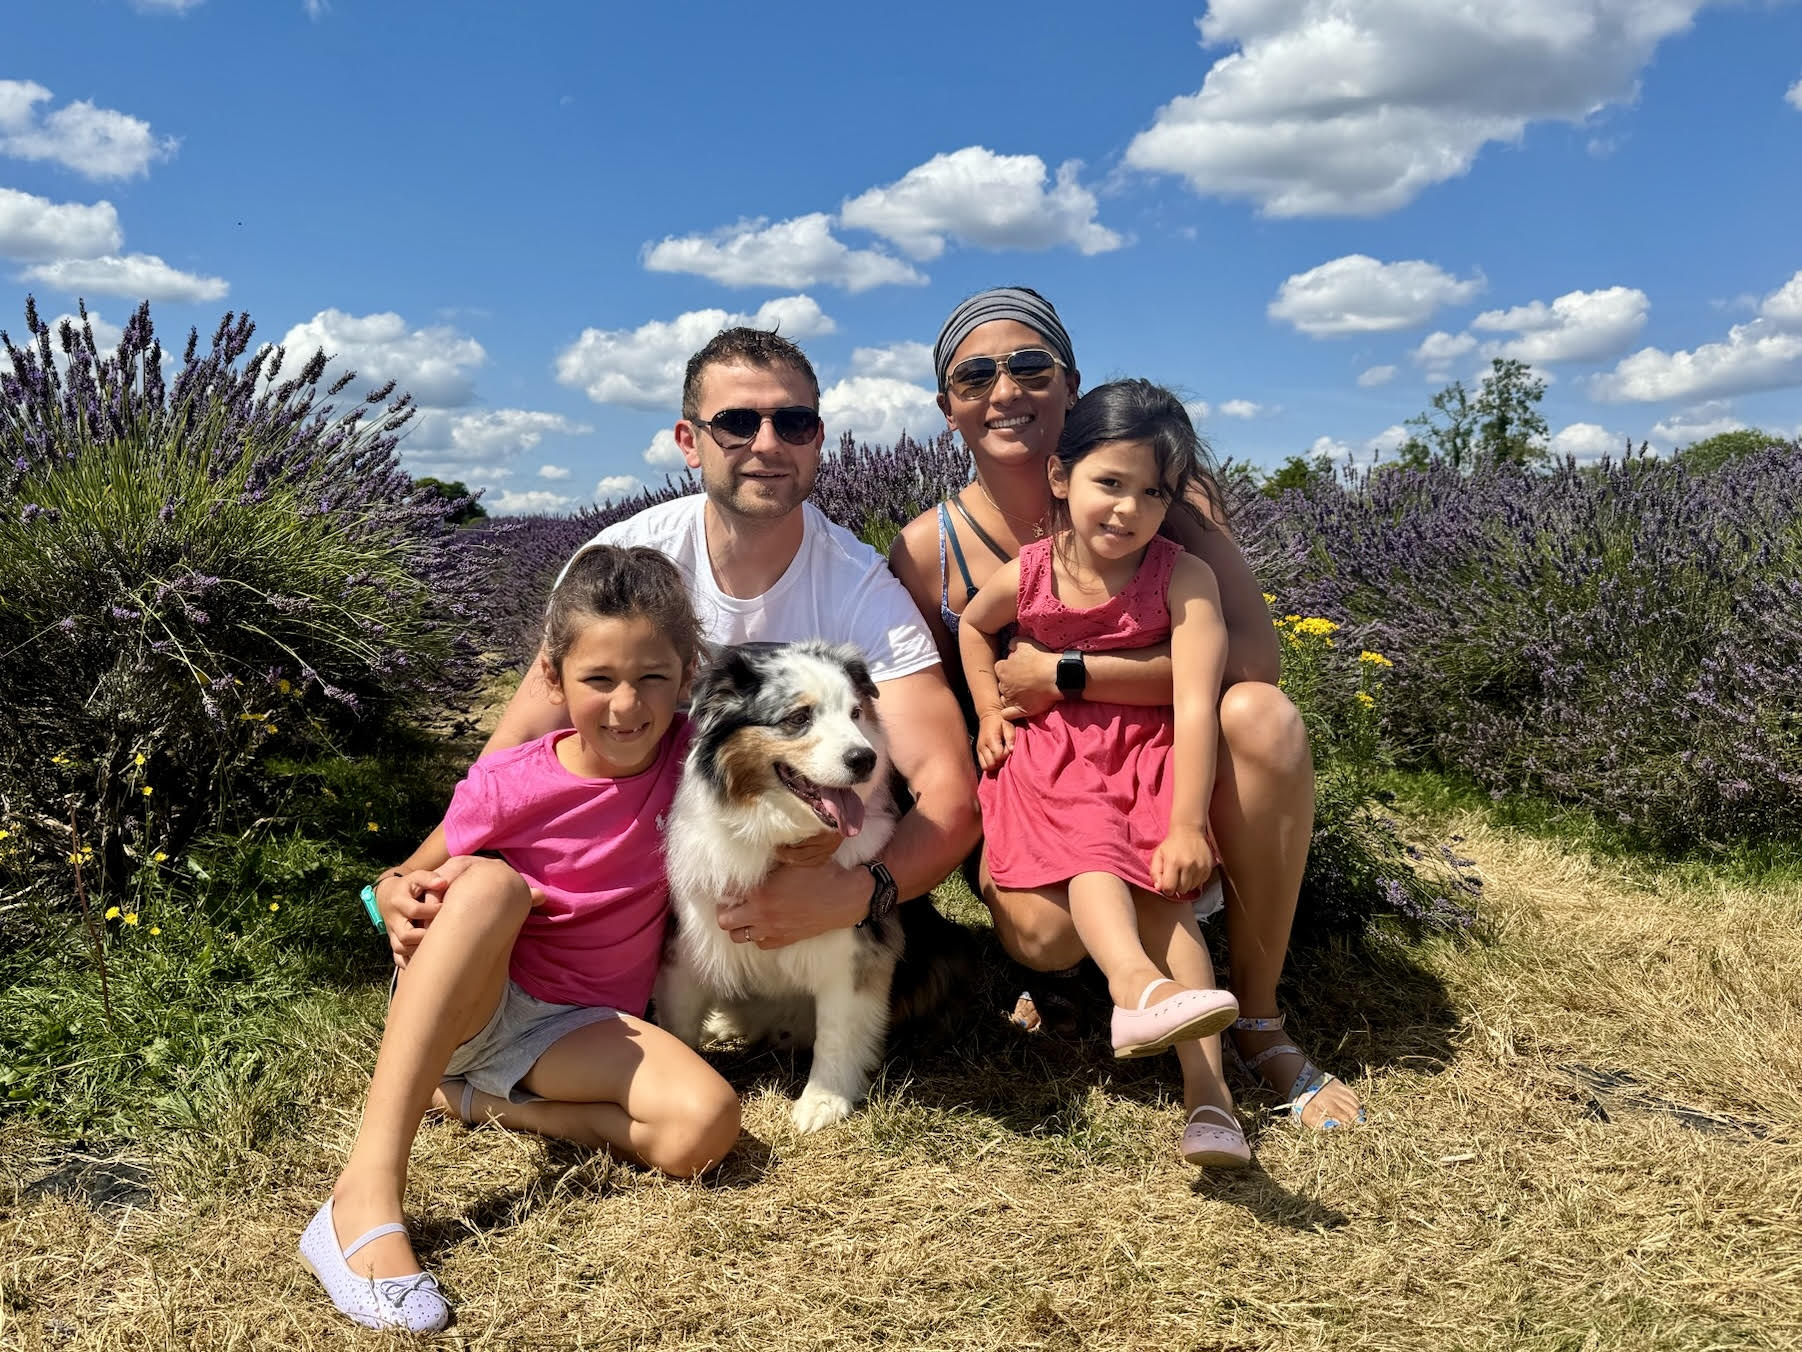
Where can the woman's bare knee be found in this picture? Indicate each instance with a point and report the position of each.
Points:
(1260, 726)
(1036, 934)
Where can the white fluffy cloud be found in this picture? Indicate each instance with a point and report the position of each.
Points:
(642, 367)
(94, 142)
(1372, 376)
(1784, 305)
(504, 433)
(166, 6)
(134, 276)
(1793, 96)
(435, 365)
(1330, 448)
(1690, 425)
(877, 409)
(974, 196)
(35, 227)
(1587, 442)
(1358, 294)
(1439, 350)
(663, 451)
(795, 253)
(617, 486)
(903, 361)
(553, 472)
(529, 502)
(1321, 107)
(1577, 326)
(1245, 409)
(1755, 356)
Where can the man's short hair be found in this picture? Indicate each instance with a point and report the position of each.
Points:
(762, 348)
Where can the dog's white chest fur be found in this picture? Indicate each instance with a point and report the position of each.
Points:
(786, 744)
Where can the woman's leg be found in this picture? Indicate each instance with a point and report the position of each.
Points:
(1173, 940)
(626, 1086)
(1102, 908)
(446, 996)
(1033, 924)
(1262, 815)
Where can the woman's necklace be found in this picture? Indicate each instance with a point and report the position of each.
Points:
(1036, 527)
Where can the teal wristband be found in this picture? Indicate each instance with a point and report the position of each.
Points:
(375, 912)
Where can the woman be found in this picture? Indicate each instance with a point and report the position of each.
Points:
(1007, 375)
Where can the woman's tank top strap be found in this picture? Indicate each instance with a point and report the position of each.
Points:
(948, 532)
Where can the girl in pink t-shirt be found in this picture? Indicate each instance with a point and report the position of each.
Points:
(523, 1002)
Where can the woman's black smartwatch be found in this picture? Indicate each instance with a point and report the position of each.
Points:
(883, 899)
(1072, 675)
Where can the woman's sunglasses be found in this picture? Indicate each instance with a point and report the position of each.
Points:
(733, 428)
(1031, 368)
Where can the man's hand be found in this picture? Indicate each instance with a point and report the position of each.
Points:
(796, 903)
(812, 852)
(1028, 679)
(1182, 862)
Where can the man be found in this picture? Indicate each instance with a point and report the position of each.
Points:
(763, 563)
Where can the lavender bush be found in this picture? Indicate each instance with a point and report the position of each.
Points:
(196, 571)
(1624, 639)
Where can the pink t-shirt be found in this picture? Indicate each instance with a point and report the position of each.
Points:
(595, 848)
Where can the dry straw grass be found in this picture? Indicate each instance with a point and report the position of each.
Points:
(1583, 1134)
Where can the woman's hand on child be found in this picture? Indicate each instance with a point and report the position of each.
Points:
(994, 740)
(1027, 678)
(1182, 862)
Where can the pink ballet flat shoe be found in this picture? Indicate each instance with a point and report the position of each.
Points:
(1183, 1017)
(412, 1302)
(1215, 1145)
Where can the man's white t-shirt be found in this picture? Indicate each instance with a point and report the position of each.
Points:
(836, 588)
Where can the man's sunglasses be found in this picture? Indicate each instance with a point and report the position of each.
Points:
(733, 428)
(1031, 368)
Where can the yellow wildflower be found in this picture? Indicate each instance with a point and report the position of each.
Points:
(112, 912)
(158, 858)
(146, 790)
(1291, 619)
(156, 929)
(1375, 659)
(283, 686)
(59, 760)
(1270, 598)
(374, 827)
(130, 917)
(138, 760)
(4, 833)
(1366, 699)
(274, 906)
(1314, 624)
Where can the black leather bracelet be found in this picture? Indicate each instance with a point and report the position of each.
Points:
(884, 896)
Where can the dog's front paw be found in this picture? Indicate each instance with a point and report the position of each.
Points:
(818, 1108)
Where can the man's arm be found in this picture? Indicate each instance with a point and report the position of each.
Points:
(930, 748)
(530, 713)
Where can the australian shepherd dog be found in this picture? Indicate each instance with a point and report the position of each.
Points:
(786, 744)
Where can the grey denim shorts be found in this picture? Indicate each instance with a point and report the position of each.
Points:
(521, 1030)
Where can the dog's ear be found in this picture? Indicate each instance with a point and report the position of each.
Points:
(727, 679)
(859, 672)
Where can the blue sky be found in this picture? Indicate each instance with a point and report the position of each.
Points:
(1307, 215)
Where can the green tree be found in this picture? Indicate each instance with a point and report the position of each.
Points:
(451, 490)
(1446, 430)
(1713, 452)
(1509, 426)
(1298, 473)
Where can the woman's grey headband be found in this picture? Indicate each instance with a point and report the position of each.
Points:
(1019, 303)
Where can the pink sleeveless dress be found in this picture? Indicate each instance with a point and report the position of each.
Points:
(1087, 788)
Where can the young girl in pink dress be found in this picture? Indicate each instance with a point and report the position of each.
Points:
(524, 1001)
(1111, 800)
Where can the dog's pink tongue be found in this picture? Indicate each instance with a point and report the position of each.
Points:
(846, 806)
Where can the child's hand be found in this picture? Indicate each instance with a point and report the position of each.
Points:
(994, 741)
(1183, 862)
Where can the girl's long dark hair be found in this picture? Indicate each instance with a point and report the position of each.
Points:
(1137, 410)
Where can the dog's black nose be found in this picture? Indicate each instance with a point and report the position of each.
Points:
(860, 762)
